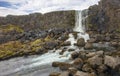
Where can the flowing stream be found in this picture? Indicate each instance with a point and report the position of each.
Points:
(41, 65)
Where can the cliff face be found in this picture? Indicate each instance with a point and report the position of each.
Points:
(27, 26)
(105, 16)
(61, 19)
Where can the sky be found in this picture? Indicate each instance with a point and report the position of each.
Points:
(23, 7)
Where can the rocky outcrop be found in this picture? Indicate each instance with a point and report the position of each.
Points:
(105, 16)
(96, 63)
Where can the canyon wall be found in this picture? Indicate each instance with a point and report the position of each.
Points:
(105, 16)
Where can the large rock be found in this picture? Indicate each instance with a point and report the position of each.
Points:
(61, 65)
(68, 43)
(88, 46)
(112, 61)
(80, 73)
(95, 60)
(72, 71)
(81, 42)
(51, 45)
(78, 62)
(66, 73)
(74, 55)
(54, 74)
(87, 68)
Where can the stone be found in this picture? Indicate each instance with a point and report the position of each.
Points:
(77, 63)
(72, 71)
(92, 40)
(87, 68)
(88, 46)
(51, 45)
(74, 55)
(81, 42)
(114, 44)
(80, 73)
(102, 68)
(95, 60)
(68, 43)
(61, 65)
(71, 49)
(112, 61)
(66, 73)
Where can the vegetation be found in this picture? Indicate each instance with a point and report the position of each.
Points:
(10, 27)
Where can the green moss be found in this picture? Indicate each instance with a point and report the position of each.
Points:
(9, 28)
(118, 30)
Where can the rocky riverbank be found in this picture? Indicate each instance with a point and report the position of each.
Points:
(100, 57)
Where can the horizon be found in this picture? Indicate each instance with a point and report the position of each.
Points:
(26, 7)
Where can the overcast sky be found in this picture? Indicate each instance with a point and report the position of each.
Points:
(21, 7)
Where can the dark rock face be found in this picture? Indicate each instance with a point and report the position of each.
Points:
(29, 27)
(81, 42)
(105, 16)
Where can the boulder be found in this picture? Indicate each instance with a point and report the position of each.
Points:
(114, 44)
(92, 40)
(80, 73)
(61, 65)
(74, 55)
(65, 73)
(64, 37)
(102, 68)
(51, 45)
(78, 62)
(72, 71)
(68, 43)
(71, 49)
(87, 68)
(95, 60)
(81, 42)
(112, 61)
(88, 46)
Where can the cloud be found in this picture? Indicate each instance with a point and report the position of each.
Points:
(20, 7)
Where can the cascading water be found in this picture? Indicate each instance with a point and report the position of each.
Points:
(78, 24)
(43, 63)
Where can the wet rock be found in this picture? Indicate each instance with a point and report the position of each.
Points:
(66, 73)
(107, 38)
(71, 50)
(74, 55)
(112, 61)
(51, 45)
(80, 73)
(75, 35)
(92, 40)
(102, 68)
(62, 52)
(88, 46)
(95, 60)
(81, 42)
(91, 54)
(82, 55)
(87, 68)
(99, 37)
(114, 44)
(54, 74)
(64, 37)
(78, 62)
(72, 71)
(61, 65)
(68, 43)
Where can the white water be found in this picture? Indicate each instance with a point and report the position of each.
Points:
(44, 62)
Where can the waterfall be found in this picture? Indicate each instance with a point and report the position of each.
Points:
(44, 61)
(78, 24)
